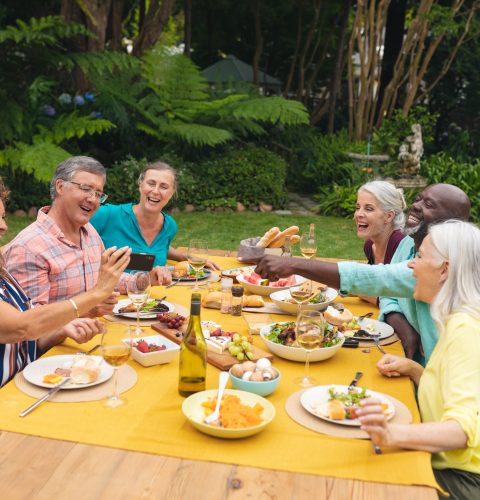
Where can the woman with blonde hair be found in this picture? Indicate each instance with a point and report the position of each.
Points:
(380, 219)
(27, 332)
(447, 273)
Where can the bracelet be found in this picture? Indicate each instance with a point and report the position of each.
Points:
(75, 307)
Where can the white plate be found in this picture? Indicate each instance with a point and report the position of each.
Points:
(317, 397)
(34, 372)
(379, 327)
(143, 315)
(267, 290)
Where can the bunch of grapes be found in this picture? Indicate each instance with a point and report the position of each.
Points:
(240, 348)
(173, 320)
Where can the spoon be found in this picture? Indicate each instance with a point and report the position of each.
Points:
(222, 382)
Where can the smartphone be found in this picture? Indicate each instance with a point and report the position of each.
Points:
(141, 262)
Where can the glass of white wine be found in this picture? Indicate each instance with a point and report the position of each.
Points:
(197, 256)
(138, 289)
(308, 244)
(301, 294)
(116, 348)
(309, 335)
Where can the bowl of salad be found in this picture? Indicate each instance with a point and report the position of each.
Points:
(319, 302)
(279, 338)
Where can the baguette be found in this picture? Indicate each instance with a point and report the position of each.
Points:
(212, 300)
(268, 237)
(295, 239)
(279, 240)
(253, 301)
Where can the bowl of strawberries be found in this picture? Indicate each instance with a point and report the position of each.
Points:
(154, 350)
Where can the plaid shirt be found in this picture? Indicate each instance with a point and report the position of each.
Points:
(49, 267)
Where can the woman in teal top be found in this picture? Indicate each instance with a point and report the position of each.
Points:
(144, 226)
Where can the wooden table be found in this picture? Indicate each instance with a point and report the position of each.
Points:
(34, 467)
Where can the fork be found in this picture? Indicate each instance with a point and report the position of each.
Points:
(376, 339)
(222, 382)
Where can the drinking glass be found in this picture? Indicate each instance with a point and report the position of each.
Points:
(301, 294)
(308, 245)
(309, 334)
(116, 348)
(197, 256)
(138, 289)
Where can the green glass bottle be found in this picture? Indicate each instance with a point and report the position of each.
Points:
(193, 354)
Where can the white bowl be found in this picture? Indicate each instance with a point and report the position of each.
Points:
(298, 353)
(267, 290)
(155, 357)
(279, 299)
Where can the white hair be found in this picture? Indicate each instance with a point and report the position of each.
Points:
(457, 243)
(389, 198)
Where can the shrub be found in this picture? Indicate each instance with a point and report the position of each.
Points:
(249, 175)
(25, 190)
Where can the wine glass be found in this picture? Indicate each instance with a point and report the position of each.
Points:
(309, 335)
(116, 348)
(138, 289)
(308, 245)
(197, 255)
(301, 294)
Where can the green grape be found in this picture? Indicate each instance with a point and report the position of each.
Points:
(236, 337)
(249, 355)
(240, 356)
(246, 345)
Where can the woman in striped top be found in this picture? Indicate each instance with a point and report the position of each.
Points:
(27, 332)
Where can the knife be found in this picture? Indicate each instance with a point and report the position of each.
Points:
(353, 383)
(50, 393)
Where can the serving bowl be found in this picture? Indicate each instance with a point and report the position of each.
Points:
(263, 388)
(155, 357)
(298, 353)
(281, 296)
(195, 413)
(266, 290)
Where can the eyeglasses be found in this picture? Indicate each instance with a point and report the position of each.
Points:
(101, 197)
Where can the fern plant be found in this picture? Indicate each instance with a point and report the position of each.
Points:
(169, 99)
(35, 130)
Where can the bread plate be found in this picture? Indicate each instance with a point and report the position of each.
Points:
(34, 372)
(315, 401)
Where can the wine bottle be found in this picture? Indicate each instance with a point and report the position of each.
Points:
(193, 354)
(308, 244)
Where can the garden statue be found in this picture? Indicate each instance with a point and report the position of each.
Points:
(410, 153)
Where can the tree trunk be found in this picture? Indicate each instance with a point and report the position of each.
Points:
(187, 30)
(298, 41)
(255, 7)
(339, 65)
(116, 17)
(155, 20)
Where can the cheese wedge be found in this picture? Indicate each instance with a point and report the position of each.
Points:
(217, 344)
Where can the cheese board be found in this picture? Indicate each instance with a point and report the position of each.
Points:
(223, 361)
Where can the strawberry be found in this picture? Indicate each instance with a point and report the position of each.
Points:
(142, 346)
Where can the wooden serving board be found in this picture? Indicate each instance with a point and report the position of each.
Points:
(222, 361)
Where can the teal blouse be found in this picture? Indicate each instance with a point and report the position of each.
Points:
(118, 226)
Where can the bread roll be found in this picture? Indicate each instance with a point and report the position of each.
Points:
(268, 237)
(85, 370)
(253, 301)
(212, 300)
(180, 269)
(295, 239)
(336, 317)
(279, 240)
(336, 411)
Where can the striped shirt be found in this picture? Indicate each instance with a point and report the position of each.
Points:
(48, 266)
(14, 356)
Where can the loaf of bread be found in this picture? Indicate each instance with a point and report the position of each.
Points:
(279, 240)
(268, 237)
(295, 239)
(253, 301)
(212, 300)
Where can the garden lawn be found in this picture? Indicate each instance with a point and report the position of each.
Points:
(224, 231)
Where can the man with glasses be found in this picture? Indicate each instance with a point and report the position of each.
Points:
(58, 256)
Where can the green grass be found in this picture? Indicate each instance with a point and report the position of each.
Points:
(224, 231)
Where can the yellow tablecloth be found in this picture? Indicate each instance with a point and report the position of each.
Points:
(152, 420)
